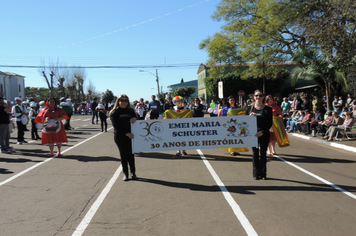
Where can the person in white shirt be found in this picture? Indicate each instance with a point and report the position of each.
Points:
(18, 111)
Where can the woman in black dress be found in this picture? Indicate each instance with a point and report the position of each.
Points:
(264, 123)
(121, 116)
(197, 108)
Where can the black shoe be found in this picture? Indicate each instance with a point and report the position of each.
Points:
(178, 154)
(33, 138)
(133, 176)
(23, 141)
(184, 153)
(125, 178)
(264, 178)
(92, 123)
(256, 177)
(39, 138)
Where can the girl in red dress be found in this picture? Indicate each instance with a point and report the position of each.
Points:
(276, 111)
(52, 115)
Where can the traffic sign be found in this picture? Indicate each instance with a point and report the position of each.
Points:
(241, 93)
(220, 89)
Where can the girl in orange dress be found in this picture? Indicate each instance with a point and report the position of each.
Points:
(52, 115)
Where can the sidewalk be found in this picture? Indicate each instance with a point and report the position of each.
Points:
(346, 144)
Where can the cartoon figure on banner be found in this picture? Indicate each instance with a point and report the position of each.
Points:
(232, 109)
(243, 129)
(231, 127)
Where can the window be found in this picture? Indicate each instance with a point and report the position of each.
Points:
(19, 88)
(1, 91)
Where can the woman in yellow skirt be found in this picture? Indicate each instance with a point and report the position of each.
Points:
(233, 110)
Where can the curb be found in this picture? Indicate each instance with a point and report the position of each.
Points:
(331, 144)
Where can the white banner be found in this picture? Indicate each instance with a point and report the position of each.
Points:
(194, 133)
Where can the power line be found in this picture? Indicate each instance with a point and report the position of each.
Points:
(108, 67)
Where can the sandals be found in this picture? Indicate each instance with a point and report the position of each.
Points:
(50, 155)
(235, 153)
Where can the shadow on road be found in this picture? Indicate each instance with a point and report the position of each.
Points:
(18, 160)
(88, 158)
(5, 171)
(223, 157)
(313, 159)
(252, 189)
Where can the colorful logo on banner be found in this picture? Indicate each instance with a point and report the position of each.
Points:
(236, 129)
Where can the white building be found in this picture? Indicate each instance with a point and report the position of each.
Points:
(12, 85)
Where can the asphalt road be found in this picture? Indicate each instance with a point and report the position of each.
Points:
(311, 190)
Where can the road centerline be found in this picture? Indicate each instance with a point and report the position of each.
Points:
(317, 177)
(234, 206)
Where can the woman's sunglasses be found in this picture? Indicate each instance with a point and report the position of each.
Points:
(259, 95)
(123, 100)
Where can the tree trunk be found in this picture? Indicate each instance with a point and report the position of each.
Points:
(328, 98)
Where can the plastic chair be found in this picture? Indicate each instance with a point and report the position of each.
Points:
(346, 132)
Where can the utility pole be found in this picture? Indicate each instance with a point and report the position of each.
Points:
(159, 94)
(263, 69)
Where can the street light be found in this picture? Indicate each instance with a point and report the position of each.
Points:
(158, 95)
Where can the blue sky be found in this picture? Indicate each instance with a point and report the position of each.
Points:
(108, 33)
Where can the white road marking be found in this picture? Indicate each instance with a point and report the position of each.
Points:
(84, 125)
(86, 119)
(234, 206)
(93, 209)
(318, 178)
(331, 144)
(47, 160)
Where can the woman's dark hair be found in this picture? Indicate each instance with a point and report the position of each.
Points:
(55, 101)
(228, 98)
(116, 106)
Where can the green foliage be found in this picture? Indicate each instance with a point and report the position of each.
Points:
(313, 66)
(233, 82)
(336, 28)
(185, 92)
(108, 96)
(41, 94)
(271, 31)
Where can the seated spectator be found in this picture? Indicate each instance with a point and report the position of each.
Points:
(324, 125)
(293, 124)
(291, 116)
(348, 123)
(354, 111)
(313, 123)
(305, 121)
(343, 113)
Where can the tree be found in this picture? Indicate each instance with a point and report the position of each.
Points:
(335, 21)
(233, 82)
(108, 96)
(261, 32)
(185, 92)
(313, 66)
(182, 80)
(80, 75)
